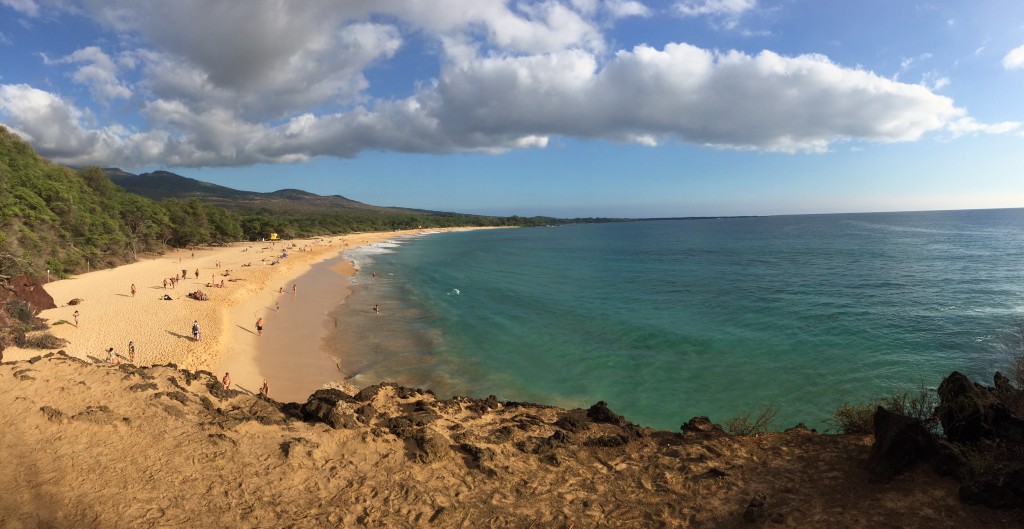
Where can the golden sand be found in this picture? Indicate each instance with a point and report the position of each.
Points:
(161, 330)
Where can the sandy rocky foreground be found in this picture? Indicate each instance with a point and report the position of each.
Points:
(87, 444)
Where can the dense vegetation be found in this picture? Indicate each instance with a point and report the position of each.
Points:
(54, 217)
(66, 221)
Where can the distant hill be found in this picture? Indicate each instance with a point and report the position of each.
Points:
(162, 185)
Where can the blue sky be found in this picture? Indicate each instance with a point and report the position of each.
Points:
(553, 107)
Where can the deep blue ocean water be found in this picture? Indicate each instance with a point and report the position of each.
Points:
(666, 320)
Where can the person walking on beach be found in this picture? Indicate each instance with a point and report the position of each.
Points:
(265, 390)
(76, 318)
(197, 273)
(165, 282)
(195, 330)
(184, 273)
(131, 351)
(133, 290)
(226, 381)
(295, 288)
(259, 327)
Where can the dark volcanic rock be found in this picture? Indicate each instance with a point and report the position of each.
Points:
(1002, 489)
(366, 413)
(990, 421)
(368, 393)
(702, 425)
(610, 441)
(215, 388)
(970, 412)
(502, 434)
(900, 442)
(573, 421)
(53, 414)
(485, 405)
(480, 458)
(432, 446)
(405, 426)
(298, 445)
(601, 413)
(951, 460)
(96, 415)
(173, 395)
(756, 509)
(327, 405)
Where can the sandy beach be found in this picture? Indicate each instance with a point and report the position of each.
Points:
(257, 283)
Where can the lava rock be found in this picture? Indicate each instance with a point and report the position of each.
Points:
(970, 412)
(702, 425)
(329, 406)
(601, 413)
(900, 442)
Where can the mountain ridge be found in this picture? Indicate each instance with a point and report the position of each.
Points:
(163, 185)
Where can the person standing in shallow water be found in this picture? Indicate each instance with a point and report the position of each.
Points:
(259, 327)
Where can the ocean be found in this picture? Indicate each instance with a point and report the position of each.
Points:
(671, 319)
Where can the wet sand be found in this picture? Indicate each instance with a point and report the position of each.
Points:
(292, 353)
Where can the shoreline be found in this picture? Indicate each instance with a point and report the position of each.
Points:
(110, 316)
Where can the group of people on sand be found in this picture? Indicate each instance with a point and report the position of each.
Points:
(114, 358)
(264, 390)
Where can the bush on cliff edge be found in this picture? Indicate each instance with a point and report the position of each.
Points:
(858, 418)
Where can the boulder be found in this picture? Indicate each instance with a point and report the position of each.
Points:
(28, 290)
(330, 406)
(702, 425)
(900, 442)
(970, 412)
(431, 445)
(601, 413)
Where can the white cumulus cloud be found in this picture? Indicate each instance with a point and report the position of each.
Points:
(99, 73)
(239, 83)
(1014, 59)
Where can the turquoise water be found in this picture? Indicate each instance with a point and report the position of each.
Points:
(666, 320)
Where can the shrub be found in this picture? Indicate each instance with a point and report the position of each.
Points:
(857, 418)
(919, 404)
(44, 341)
(744, 425)
(19, 310)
